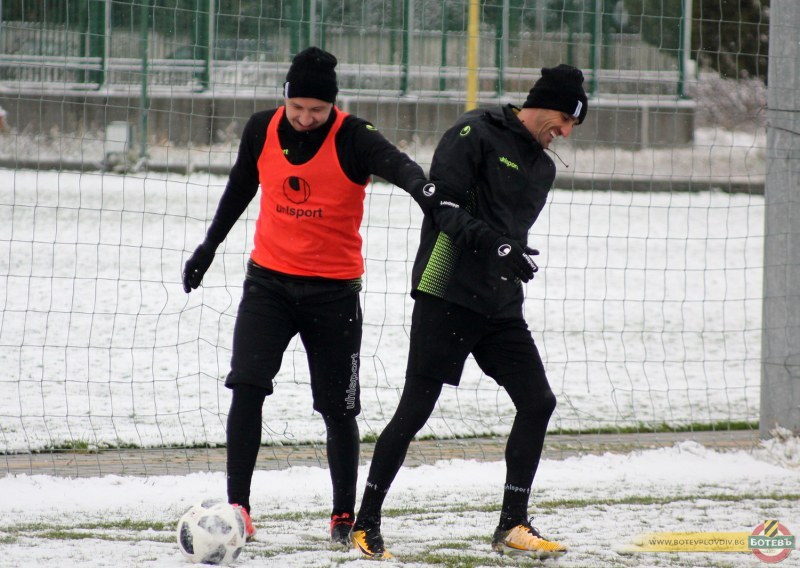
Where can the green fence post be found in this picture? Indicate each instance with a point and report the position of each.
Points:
(308, 23)
(393, 33)
(144, 102)
(97, 39)
(570, 45)
(321, 20)
(84, 27)
(685, 47)
(298, 25)
(597, 35)
(443, 59)
(202, 40)
(501, 47)
(294, 26)
(408, 14)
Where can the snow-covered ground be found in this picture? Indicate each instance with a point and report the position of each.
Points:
(441, 514)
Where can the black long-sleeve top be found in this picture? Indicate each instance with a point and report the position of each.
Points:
(363, 151)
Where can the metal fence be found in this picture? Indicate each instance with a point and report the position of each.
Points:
(369, 61)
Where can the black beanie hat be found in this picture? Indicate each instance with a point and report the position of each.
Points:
(312, 75)
(560, 88)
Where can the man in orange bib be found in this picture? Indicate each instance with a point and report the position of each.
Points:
(313, 163)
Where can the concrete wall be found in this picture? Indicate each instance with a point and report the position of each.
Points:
(202, 119)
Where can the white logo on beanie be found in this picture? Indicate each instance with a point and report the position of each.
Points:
(577, 113)
(286, 90)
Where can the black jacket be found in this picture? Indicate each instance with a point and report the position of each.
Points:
(499, 176)
(362, 150)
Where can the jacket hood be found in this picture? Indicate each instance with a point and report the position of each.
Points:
(506, 117)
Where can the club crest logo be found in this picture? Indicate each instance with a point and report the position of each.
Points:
(771, 542)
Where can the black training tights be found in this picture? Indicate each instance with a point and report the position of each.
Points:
(534, 405)
(244, 440)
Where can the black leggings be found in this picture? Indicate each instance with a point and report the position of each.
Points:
(534, 407)
(244, 440)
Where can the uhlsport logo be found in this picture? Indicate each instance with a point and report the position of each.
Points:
(296, 190)
(771, 542)
(352, 389)
(429, 190)
(503, 249)
(509, 163)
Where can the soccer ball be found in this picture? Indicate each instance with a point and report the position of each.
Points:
(211, 532)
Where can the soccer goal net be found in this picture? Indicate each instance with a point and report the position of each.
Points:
(121, 120)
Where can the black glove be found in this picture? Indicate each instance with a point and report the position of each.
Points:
(424, 193)
(196, 266)
(516, 258)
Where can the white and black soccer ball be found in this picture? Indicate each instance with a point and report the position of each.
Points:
(211, 532)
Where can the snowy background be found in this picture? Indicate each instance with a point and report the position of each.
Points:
(647, 310)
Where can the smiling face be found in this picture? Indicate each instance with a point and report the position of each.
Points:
(545, 125)
(306, 114)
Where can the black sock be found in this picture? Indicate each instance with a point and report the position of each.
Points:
(369, 515)
(510, 520)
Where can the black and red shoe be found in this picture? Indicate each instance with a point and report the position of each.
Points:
(249, 529)
(340, 530)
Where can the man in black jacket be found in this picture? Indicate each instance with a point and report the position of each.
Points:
(492, 177)
(313, 163)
